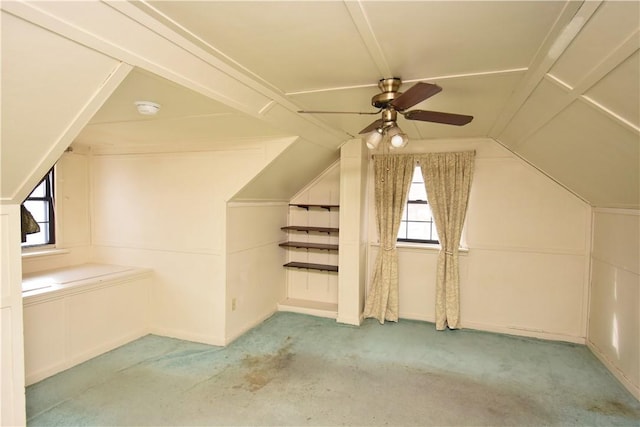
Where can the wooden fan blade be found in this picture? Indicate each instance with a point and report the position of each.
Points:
(372, 126)
(337, 112)
(438, 117)
(416, 94)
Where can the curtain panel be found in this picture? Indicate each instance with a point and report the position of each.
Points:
(392, 174)
(448, 177)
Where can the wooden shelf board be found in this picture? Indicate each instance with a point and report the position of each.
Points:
(307, 245)
(311, 266)
(313, 308)
(308, 228)
(307, 206)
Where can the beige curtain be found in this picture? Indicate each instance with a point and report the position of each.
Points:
(393, 175)
(447, 177)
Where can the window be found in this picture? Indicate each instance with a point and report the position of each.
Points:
(40, 203)
(417, 222)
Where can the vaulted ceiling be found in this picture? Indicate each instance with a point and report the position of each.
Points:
(555, 82)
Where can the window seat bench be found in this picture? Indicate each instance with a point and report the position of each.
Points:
(74, 313)
(76, 278)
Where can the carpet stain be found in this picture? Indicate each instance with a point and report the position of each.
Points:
(468, 398)
(264, 368)
(614, 407)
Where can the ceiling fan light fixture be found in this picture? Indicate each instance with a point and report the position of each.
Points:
(400, 140)
(397, 139)
(373, 139)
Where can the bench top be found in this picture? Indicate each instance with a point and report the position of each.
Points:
(91, 273)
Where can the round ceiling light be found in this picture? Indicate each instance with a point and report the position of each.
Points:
(147, 108)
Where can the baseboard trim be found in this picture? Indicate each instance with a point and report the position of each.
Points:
(235, 335)
(189, 336)
(71, 361)
(524, 332)
(620, 376)
(508, 330)
(355, 321)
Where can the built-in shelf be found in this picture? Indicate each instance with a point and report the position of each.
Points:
(312, 266)
(307, 206)
(311, 245)
(313, 308)
(307, 229)
(307, 245)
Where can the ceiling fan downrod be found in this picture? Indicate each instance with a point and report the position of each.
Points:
(389, 117)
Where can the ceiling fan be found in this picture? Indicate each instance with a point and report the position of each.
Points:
(390, 102)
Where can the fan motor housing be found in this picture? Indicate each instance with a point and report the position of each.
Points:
(381, 100)
(389, 88)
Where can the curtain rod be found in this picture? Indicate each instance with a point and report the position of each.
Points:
(420, 154)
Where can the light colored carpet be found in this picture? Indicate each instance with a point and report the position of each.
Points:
(301, 370)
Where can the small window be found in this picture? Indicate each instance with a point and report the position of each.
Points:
(40, 203)
(417, 221)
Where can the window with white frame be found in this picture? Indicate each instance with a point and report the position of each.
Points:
(40, 203)
(417, 223)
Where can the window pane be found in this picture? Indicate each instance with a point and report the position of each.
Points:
(418, 212)
(40, 210)
(39, 191)
(417, 175)
(417, 219)
(417, 192)
(434, 232)
(418, 230)
(402, 231)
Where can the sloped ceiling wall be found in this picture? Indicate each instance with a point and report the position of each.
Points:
(44, 103)
(62, 84)
(581, 122)
(555, 82)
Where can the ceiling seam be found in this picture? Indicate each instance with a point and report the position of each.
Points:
(468, 75)
(361, 21)
(515, 153)
(613, 116)
(422, 79)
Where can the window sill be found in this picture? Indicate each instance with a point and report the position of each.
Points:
(427, 247)
(42, 252)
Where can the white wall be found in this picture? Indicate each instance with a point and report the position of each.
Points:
(526, 269)
(167, 212)
(614, 314)
(255, 276)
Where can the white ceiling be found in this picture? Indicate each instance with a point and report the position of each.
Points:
(185, 117)
(556, 82)
(329, 55)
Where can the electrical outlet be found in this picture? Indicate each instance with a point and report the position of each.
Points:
(233, 304)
